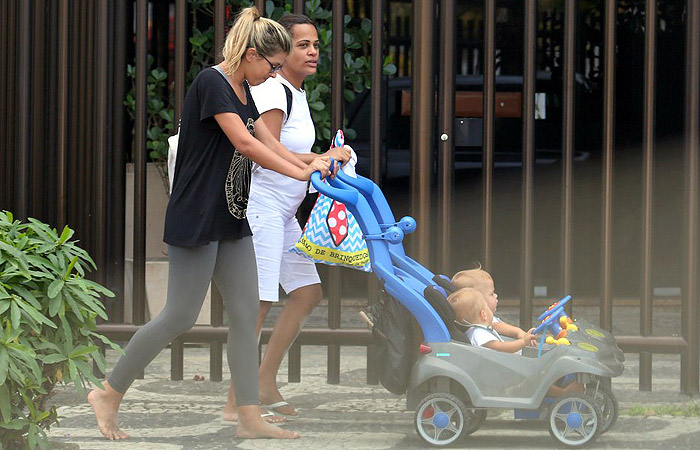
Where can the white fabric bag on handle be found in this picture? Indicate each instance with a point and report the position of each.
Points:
(172, 156)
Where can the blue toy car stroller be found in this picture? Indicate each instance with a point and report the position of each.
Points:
(452, 384)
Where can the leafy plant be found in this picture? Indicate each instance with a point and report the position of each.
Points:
(48, 313)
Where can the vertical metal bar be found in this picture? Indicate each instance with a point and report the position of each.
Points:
(219, 28)
(77, 161)
(217, 320)
(446, 113)
(4, 100)
(106, 107)
(101, 148)
(298, 7)
(39, 117)
(75, 154)
(177, 352)
(216, 362)
(216, 348)
(372, 372)
(10, 96)
(488, 128)
(70, 108)
(529, 81)
(84, 174)
(24, 143)
(422, 125)
(159, 45)
(690, 366)
(87, 175)
(118, 157)
(606, 306)
(260, 4)
(62, 113)
(139, 154)
(294, 363)
(375, 150)
(337, 113)
(49, 137)
(217, 302)
(646, 298)
(177, 356)
(90, 134)
(139, 264)
(568, 136)
(180, 57)
(337, 105)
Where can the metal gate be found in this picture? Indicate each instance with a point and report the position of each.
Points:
(63, 133)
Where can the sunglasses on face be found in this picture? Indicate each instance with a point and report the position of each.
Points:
(273, 68)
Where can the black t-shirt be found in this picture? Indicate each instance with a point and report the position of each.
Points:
(212, 179)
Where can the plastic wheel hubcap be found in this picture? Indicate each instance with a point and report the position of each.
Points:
(441, 420)
(574, 420)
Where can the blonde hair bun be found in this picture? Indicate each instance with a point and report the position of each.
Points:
(250, 30)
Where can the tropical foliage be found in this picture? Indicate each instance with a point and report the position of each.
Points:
(48, 313)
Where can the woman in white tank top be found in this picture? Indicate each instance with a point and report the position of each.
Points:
(272, 206)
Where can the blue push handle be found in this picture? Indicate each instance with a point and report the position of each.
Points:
(341, 195)
(360, 183)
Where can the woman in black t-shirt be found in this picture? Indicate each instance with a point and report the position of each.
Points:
(205, 225)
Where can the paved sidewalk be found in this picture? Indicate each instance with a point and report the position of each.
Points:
(167, 415)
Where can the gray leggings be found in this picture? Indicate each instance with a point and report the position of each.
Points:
(232, 264)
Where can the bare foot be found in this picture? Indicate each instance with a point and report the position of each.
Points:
(232, 416)
(273, 401)
(252, 426)
(105, 403)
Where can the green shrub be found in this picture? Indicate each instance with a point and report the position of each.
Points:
(48, 313)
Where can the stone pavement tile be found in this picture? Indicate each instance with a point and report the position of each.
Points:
(164, 414)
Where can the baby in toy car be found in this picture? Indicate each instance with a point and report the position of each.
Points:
(471, 310)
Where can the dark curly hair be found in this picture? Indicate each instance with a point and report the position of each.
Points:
(289, 21)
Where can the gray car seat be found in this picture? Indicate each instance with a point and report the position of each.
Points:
(438, 300)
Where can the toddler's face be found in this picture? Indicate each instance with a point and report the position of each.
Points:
(489, 317)
(490, 294)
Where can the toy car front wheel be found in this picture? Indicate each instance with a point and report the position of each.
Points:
(441, 419)
(606, 401)
(575, 420)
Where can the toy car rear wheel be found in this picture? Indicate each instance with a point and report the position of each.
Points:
(441, 419)
(575, 420)
(477, 418)
(606, 401)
